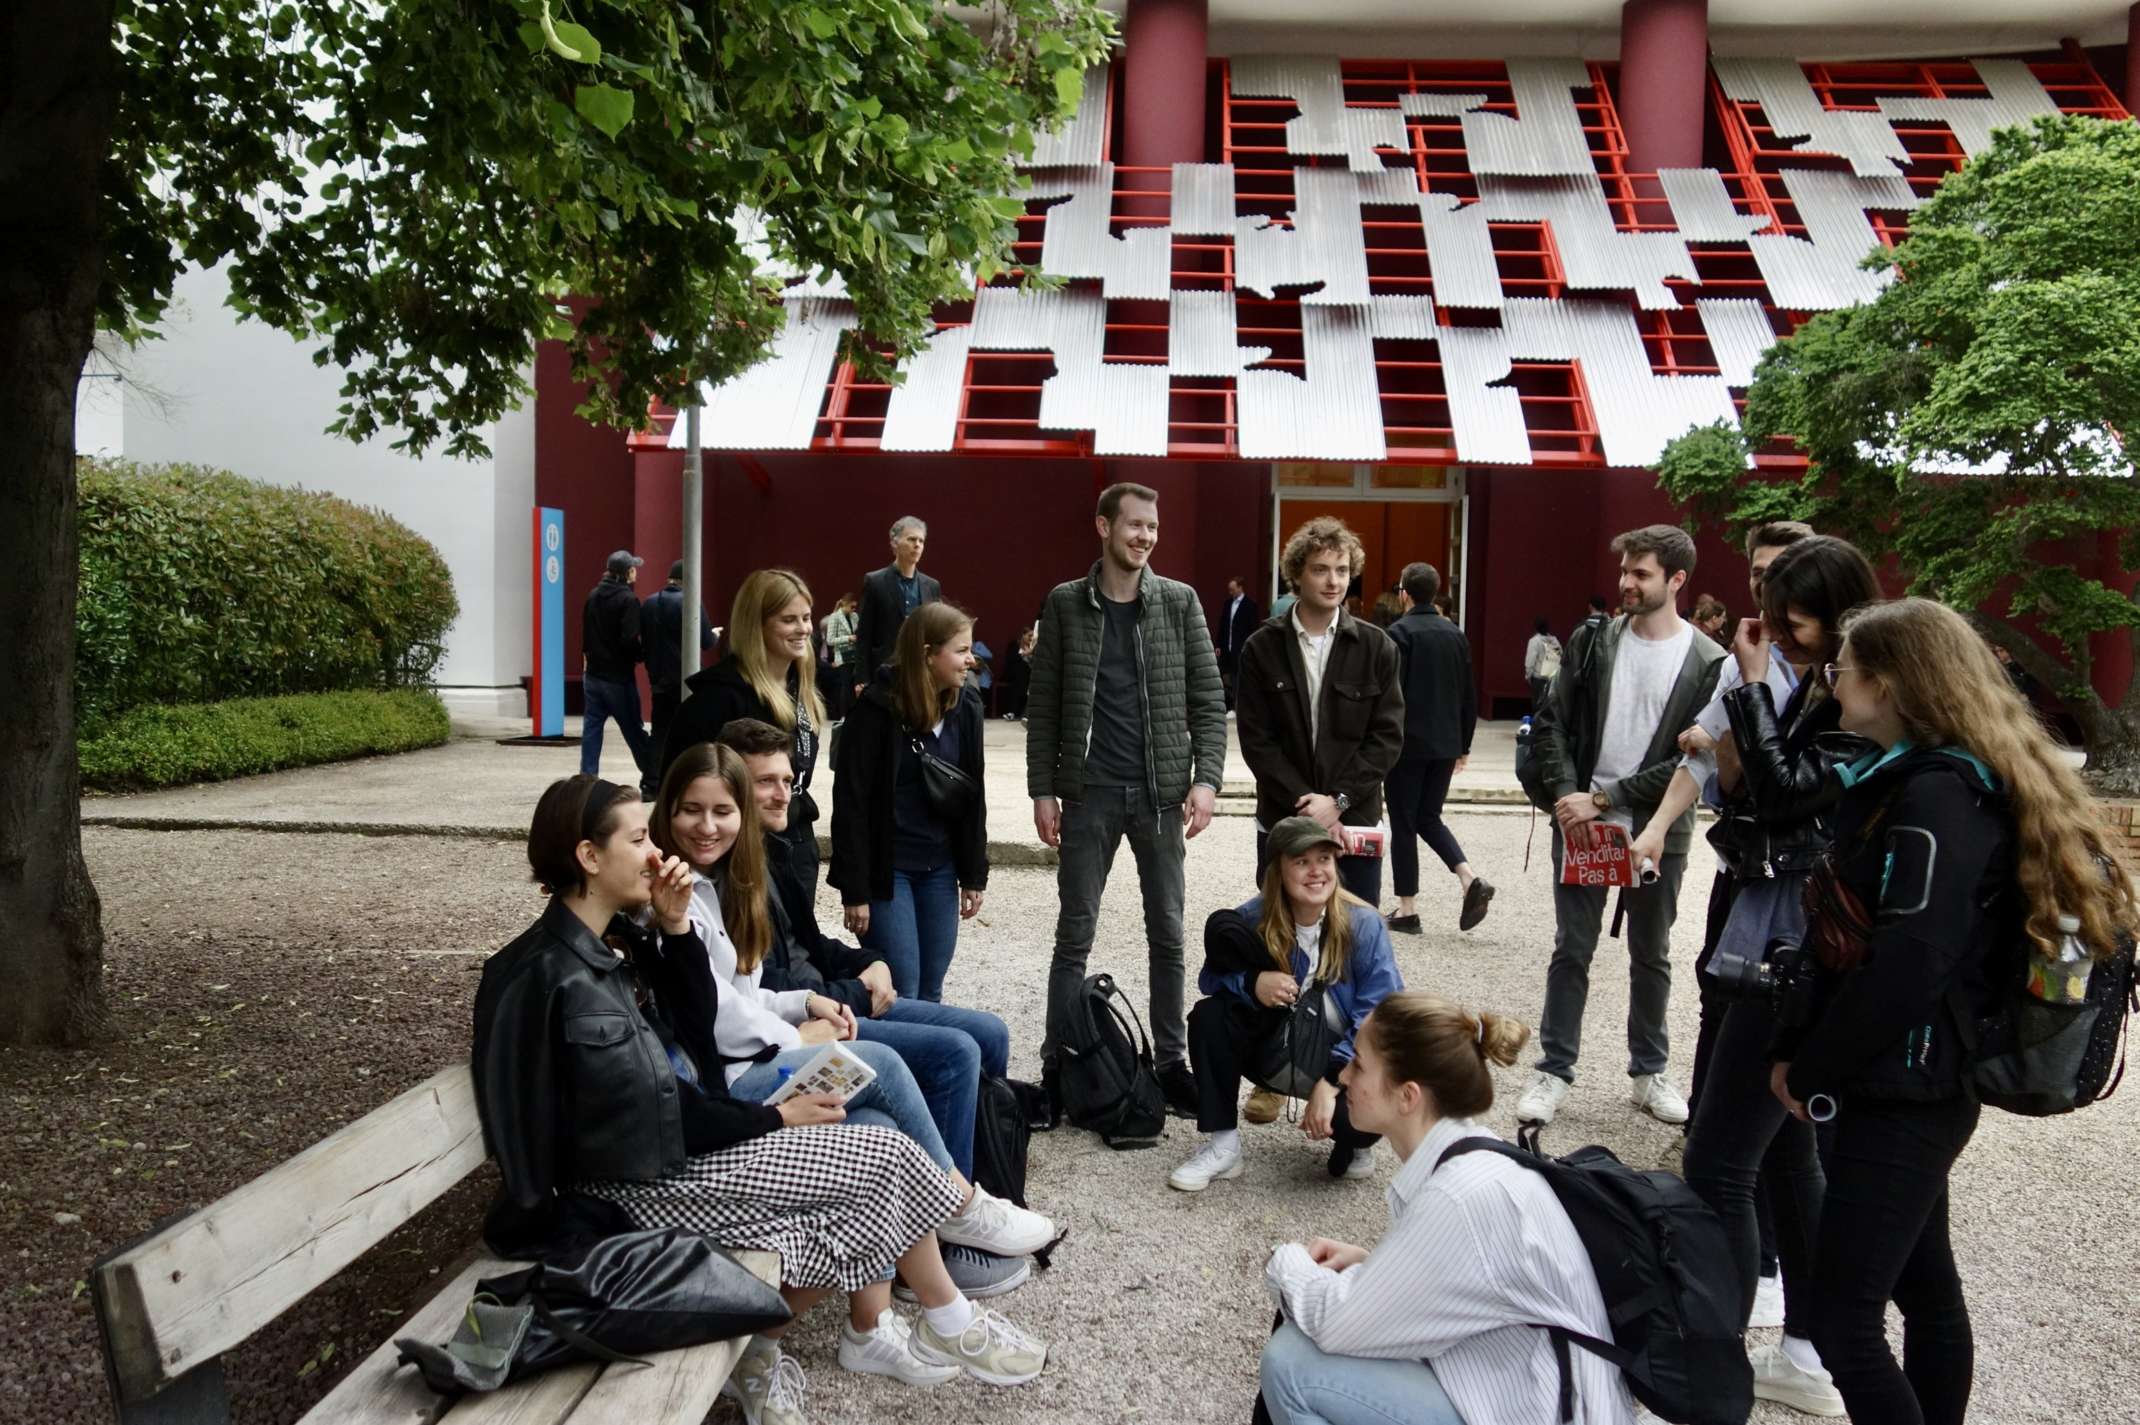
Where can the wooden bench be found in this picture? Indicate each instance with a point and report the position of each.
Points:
(172, 1303)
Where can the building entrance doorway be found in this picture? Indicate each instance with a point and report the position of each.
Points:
(1401, 513)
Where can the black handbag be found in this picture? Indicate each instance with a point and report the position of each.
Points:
(1293, 1058)
(951, 792)
(620, 1298)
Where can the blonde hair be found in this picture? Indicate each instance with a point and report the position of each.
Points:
(766, 592)
(915, 696)
(745, 912)
(1276, 926)
(1427, 1040)
(1951, 692)
(1322, 532)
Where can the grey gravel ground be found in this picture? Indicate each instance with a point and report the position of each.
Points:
(1155, 1305)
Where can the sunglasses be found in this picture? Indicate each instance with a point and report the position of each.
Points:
(1832, 673)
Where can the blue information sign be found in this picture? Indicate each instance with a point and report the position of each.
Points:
(547, 697)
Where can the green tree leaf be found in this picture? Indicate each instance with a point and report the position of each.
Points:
(605, 106)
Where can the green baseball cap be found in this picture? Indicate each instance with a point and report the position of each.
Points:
(1297, 834)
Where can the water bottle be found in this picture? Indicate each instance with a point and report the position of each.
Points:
(2062, 978)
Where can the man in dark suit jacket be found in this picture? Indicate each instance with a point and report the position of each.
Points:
(889, 595)
(1237, 619)
(1441, 710)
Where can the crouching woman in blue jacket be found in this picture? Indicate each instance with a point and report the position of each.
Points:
(1304, 943)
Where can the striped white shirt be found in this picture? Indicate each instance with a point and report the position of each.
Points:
(1472, 1251)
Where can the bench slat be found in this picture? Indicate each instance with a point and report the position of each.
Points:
(548, 1399)
(678, 1386)
(381, 1391)
(204, 1284)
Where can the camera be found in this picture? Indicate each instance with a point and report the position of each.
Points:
(1784, 976)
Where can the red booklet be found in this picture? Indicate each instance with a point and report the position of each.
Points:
(1597, 854)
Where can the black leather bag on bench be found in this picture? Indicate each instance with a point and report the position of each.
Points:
(618, 1299)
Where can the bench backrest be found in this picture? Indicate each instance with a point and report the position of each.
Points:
(190, 1291)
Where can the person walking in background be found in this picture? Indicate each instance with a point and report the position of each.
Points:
(1388, 609)
(909, 812)
(1320, 709)
(1237, 620)
(661, 622)
(1606, 744)
(838, 636)
(611, 647)
(770, 674)
(1018, 673)
(1541, 660)
(1127, 739)
(1441, 709)
(1596, 618)
(1283, 604)
(1711, 617)
(888, 596)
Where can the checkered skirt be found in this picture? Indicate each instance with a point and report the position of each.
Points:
(838, 1202)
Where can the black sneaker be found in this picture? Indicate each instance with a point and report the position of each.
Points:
(1404, 924)
(1179, 1085)
(1476, 901)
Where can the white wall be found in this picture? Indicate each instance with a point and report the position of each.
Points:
(242, 396)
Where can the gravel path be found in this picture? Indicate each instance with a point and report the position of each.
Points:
(270, 987)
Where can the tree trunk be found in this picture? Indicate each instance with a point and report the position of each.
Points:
(56, 98)
(2114, 753)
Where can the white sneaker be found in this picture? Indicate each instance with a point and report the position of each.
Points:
(1654, 1095)
(1542, 1099)
(1768, 1303)
(990, 1350)
(1210, 1163)
(769, 1386)
(888, 1350)
(1362, 1164)
(994, 1225)
(1779, 1378)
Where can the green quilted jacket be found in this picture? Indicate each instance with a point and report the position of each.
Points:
(1185, 707)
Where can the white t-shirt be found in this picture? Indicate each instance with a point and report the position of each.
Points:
(1643, 674)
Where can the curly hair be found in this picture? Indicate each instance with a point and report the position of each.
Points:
(1322, 532)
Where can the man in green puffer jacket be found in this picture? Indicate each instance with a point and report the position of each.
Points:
(1125, 736)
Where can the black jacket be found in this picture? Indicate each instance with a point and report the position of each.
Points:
(572, 1079)
(609, 631)
(1926, 840)
(864, 769)
(1361, 719)
(721, 694)
(1441, 707)
(1782, 816)
(883, 610)
(803, 957)
(661, 628)
(1231, 629)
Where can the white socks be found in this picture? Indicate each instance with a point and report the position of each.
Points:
(1227, 1140)
(950, 1319)
(1802, 1355)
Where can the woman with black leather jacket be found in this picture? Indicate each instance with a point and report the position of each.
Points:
(1959, 842)
(1740, 1143)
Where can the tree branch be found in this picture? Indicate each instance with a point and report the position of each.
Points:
(2046, 669)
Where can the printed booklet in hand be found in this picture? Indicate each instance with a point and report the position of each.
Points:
(834, 1069)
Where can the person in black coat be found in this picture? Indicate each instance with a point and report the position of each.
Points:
(661, 628)
(1237, 618)
(888, 596)
(908, 868)
(1441, 710)
(611, 647)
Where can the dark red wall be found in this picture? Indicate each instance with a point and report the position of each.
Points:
(585, 471)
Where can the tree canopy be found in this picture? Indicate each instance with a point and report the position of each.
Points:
(1972, 420)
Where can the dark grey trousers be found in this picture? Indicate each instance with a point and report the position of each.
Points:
(1578, 915)
(1092, 831)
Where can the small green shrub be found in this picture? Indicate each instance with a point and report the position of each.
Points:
(197, 586)
(168, 744)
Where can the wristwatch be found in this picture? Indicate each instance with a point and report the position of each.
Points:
(1601, 801)
(1344, 803)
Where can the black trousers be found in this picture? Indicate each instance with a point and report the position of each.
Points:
(1223, 1036)
(1883, 1237)
(1362, 875)
(1416, 793)
(666, 702)
(1722, 892)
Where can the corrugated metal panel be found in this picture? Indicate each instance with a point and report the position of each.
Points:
(924, 412)
(1794, 111)
(1702, 209)
(1636, 410)
(1488, 418)
(1739, 333)
(774, 405)
(2016, 97)
(1545, 139)
(1439, 105)
(751, 237)
(1203, 200)
(1123, 405)
(1326, 244)
(1077, 143)
(1325, 126)
(1076, 241)
(1402, 318)
(1594, 255)
(1335, 413)
(1820, 272)
(1201, 336)
(1460, 252)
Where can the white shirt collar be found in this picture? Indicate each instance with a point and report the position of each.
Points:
(1293, 617)
(1411, 1179)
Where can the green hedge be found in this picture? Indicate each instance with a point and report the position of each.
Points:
(197, 586)
(168, 744)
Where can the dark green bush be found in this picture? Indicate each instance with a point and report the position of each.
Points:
(197, 586)
(167, 744)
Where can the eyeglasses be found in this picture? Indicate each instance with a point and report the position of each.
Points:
(1834, 672)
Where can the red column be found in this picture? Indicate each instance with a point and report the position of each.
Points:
(1161, 84)
(1664, 74)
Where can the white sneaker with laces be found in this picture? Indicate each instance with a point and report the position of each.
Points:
(994, 1225)
(991, 1350)
(1210, 1164)
(1362, 1164)
(1768, 1303)
(1655, 1096)
(1779, 1378)
(1542, 1099)
(888, 1350)
(769, 1385)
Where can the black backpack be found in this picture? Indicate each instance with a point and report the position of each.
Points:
(1109, 1085)
(2038, 1059)
(1578, 662)
(1000, 1135)
(1666, 1272)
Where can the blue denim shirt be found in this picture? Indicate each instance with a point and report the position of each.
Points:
(1370, 971)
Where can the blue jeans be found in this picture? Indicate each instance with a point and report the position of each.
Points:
(892, 1100)
(606, 700)
(947, 1049)
(1304, 1386)
(917, 930)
